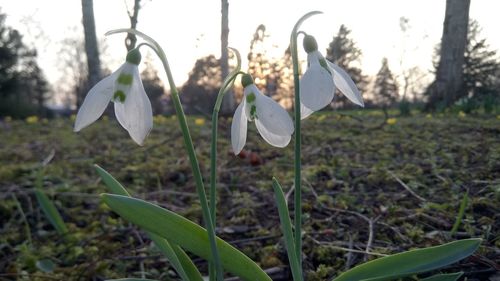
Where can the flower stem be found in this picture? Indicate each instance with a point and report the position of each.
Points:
(226, 85)
(297, 154)
(189, 147)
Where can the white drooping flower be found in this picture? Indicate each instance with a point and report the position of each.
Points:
(132, 106)
(272, 121)
(317, 85)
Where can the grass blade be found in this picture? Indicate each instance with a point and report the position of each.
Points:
(286, 226)
(184, 233)
(460, 215)
(48, 208)
(411, 262)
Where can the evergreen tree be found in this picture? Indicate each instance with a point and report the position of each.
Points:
(385, 88)
(344, 52)
(481, 67)
(200, 91)
(23, 88)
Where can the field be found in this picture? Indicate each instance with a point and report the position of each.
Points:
(371, 187)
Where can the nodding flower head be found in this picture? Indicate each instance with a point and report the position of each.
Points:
(322, 77)
(272, 121)
(124, 88)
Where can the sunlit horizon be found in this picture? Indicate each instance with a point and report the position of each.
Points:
(189, 30)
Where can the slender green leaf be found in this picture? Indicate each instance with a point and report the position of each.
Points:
(286, 226)
(185, 233)
(114, 186)
(50, 212)
(460, 215)
(131, 279)
(177, 257)
(411, 262)
(444, 277)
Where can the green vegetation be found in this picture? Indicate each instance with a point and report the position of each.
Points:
(367, 188)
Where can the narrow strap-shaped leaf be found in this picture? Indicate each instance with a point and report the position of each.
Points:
(460, 214)
(411, 262)
(184, 233)
(177, 257)
(48, 208)
(114, 186)
(51, 212)
(286, 226)
(131, 279)
(444, 277)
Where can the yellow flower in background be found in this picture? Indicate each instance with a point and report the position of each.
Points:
(322, 117)
(498, 117)
(199, 121)
(392, 121)
(160, 119)
(462, 114)
(8, 119)
(72, 117)
(32, 120)
(428, 116)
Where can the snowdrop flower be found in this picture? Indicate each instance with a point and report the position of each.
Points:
(123, 87)
(317, 85)
(272, 121)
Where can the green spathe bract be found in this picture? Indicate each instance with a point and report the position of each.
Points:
(184, 233)
(411, 262)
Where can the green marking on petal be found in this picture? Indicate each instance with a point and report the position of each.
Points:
(125, 79)
(323, 63)
(250, 98)
(120, 96)
(253, 111)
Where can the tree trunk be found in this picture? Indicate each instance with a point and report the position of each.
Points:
(448, 83)
(228, 103)
(91, 48)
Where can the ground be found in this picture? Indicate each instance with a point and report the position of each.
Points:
(370, 185)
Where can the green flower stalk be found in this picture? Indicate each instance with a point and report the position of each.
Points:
(226, 86)
(188, 142)
(297, 116)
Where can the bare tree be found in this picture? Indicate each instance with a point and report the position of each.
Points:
(449, 76)
(228, 104)
(91, 47)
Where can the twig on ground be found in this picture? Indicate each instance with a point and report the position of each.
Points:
(405, 186)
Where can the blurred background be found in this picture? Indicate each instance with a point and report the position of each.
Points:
(391, 49)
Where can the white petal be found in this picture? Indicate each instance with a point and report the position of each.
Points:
(95, 102)
(239, 129)
(120, 114)
(137, 113)
(345, 84)
(272, 139)
(272, 116)
(305, 112)
(316, 87)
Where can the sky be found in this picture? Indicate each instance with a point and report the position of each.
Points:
(190, 29)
